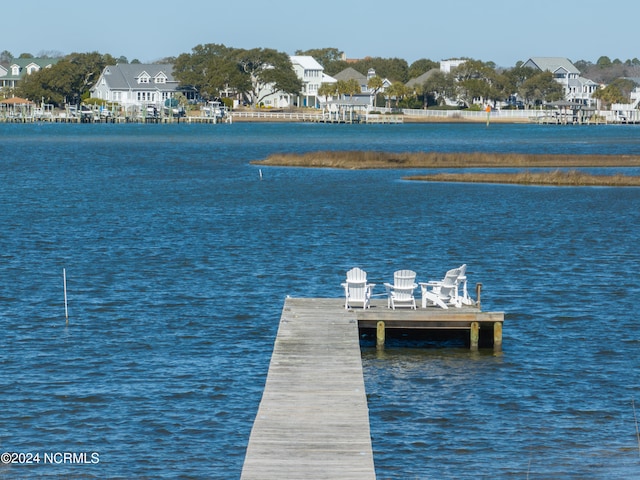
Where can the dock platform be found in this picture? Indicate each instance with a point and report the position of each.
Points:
(313, 419)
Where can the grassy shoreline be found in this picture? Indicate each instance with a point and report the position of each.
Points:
(556, 178)
(360, 160)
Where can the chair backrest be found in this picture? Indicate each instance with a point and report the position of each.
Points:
(356, 275)
(404, 278)
(357, 284)
(404, 281)
(450, 282)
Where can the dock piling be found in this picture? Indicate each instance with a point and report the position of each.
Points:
(475, 335)
(497, 337)
(380, 334)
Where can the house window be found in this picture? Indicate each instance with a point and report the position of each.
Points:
(143, 80)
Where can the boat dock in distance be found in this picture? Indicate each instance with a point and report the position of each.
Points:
(313, 419)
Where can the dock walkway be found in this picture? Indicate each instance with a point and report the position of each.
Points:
(313, 420)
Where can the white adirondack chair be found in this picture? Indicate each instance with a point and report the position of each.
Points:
(442, 292)
(400, 294)
(465, 299)
(447, 290)
(356, 289)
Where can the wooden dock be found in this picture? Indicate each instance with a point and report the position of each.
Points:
(313, 419)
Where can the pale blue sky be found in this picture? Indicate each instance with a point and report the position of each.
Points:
(501, 31)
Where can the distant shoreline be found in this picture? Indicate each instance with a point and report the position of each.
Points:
(362, 160)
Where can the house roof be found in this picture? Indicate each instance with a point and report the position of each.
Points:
(581, 81)
(422, 78)
(307, 62)
(552, 64)
(349, 73)
(123, 76)
(327, 78)
(41, 62)
(15, 101)
(23, 63)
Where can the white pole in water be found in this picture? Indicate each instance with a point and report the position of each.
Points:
(260, 170)
(64, 279)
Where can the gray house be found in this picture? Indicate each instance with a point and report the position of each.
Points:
(138, 85)
(577, 89)
(366, 94)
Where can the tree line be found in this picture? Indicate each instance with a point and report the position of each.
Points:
(217, 70)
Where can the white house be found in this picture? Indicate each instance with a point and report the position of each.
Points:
(136, 85)
(312, 75)
(577, 89)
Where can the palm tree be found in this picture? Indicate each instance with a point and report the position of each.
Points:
(397, 90)
(375, 84)
(327, 90)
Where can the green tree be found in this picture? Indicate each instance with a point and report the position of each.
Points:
(327, 90)
(441, 85)
(421, 66)
(268, 70)
(618, 91)
(375, 84)
(349, 87)
(210, 68)
(68, 81)
(5, 56)
(515, 77)
(324, 56)
(395, 69)
(540, 88)
(608, 95)
(397, 91)
(476, 80)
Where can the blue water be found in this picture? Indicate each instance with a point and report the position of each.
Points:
(178, 259)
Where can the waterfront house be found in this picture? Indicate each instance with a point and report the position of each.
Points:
(351, 73)
(311, 74)
(20, 67)
(139, 86)
(577, 89)
(366, 93)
